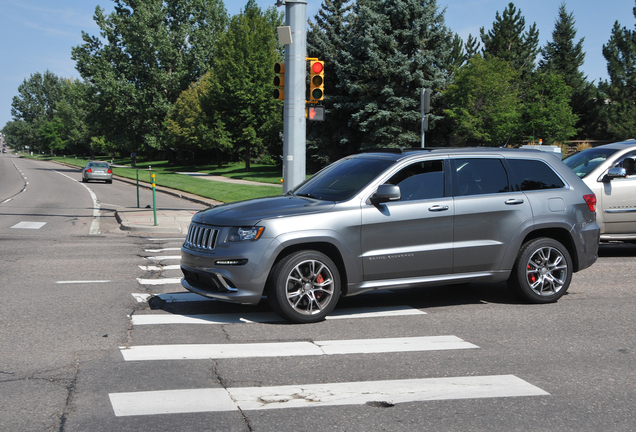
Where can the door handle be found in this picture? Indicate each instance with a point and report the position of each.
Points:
(438, 208)
(514, 201)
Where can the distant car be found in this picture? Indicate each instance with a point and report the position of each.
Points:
(398, 219)
(609, 171)
(97, 171)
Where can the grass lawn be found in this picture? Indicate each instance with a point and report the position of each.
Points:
(167, 175)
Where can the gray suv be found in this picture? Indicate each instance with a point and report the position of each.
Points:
(399, 219)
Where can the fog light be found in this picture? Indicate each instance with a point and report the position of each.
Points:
(235, 262)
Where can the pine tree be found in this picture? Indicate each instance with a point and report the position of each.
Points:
(395, 48)
(326, 39)
(509, 40)
(620, 91)
(565, 58)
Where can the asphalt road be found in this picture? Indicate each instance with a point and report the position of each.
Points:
(97, 334)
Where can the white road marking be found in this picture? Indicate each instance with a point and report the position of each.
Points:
(94, 229)
(167, 257)
(82, 282)
(170, 239)
(293, 349)
(160, 268)
(163, 250)
(263, 317)
(141, 297)
(320, 395)
(177, 297)
(29, 225)
(162, 281)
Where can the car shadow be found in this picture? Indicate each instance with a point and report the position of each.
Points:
(417, 298)
(616, 249)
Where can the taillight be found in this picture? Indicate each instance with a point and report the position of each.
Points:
(591, 201)
(110, 171)
(89, 170)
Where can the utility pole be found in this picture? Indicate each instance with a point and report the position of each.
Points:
(294, 122)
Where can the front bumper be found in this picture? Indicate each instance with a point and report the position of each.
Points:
(207, 271)
(216, 286)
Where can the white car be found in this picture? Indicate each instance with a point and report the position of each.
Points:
(609, 171)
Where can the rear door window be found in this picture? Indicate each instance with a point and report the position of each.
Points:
(478, 176)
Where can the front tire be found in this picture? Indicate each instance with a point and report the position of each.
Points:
(542, 272)
(304, 287)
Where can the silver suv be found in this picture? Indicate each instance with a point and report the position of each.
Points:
(398, 219)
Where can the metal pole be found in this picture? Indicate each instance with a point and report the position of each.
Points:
(137, 188)
(294, 123)
(154, 198)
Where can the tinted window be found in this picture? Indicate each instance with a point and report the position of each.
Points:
(342, 180)
(584, 162)
(534, 175)
(421, 180)
(479, 176)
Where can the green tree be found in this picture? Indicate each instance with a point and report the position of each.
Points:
(35, 105)
(509, 40)
(189, 129)
(239, 104)
(485, 102)
(565, 58)
(148, 53)
(394, 48)
(546, 109)
(620, 91)
(51, 136)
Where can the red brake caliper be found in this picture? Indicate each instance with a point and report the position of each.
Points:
(532, 278)
(319, 280)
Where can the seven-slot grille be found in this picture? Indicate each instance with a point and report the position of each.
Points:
(200, 237)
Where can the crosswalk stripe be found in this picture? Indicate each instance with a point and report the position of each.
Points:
(261, 317)
(160, 268)
(161, 281)
(292, 349)
(163, 250)
(320, 395)
(165, 257)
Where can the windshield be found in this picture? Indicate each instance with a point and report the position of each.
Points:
(343, 179)
(584, 162)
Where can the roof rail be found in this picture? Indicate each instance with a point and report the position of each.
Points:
(394, 150)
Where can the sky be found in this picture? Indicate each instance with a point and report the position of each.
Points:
(38, 35)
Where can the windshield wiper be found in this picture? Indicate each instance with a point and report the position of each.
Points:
(307, 195)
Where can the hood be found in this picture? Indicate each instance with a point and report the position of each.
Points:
(249, 213)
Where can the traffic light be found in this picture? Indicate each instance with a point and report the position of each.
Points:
(316, 80)
(279, 81)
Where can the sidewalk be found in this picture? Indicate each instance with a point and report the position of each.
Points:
(143, 220)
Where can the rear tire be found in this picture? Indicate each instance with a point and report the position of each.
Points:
(542, 272)
(304, 287)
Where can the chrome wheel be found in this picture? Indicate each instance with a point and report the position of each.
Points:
(547, 271)
(304, 287)
(542, 271)
(310, 287)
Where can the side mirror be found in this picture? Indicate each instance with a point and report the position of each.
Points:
(385, 193)
(616, 172)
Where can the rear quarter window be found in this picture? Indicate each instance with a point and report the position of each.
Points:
(534, 175)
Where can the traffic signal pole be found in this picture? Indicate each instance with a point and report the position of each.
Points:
(294, 122)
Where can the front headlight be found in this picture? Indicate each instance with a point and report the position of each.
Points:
(238, 234)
